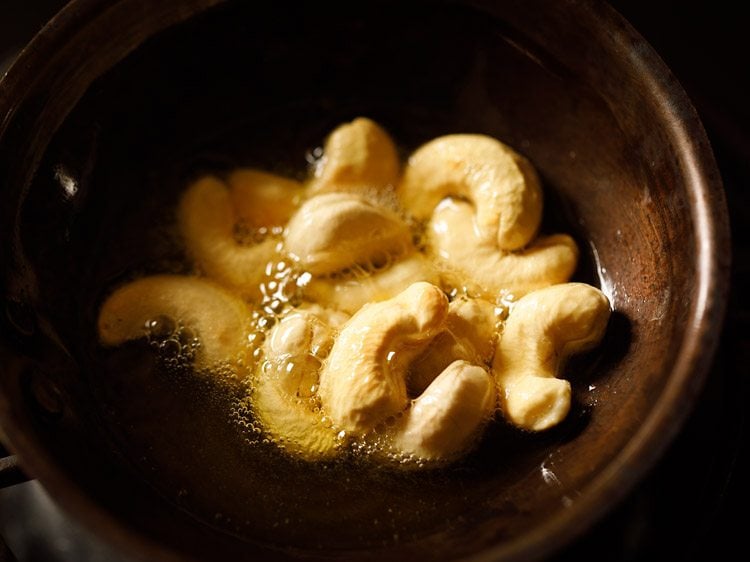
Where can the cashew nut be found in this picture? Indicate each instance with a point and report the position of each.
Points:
(351, 294)
(362, 383)
(284, 394)
(543, 329)
(210, 213)
(334, 231)
(330, 316)
(445, 420)
(302, 336)
(263, 200)
(220, 319)
(470, 334)
(358, 156)
(475, 262)
(291, 424)
(502, 185)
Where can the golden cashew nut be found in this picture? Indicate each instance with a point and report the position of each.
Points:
(362, 382)
(284, 393)
(446, 418)
(470, 334)
(296, 345)
(210, 213)
(358, 156)
(475, 262)
(220, 319)
(502, 185)
(334, 231)
(349, 295)
(330, 316)
(263, 200)
(543, 329)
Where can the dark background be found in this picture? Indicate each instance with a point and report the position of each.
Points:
(690, 506)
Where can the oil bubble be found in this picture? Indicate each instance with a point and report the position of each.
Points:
(170, 349)
(161, 326)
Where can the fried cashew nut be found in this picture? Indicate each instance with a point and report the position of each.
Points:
(501, 184)
(283, 398)
(335, 231)
(357, 157)
(543, 329)
(470, 334)
(446, 418)
(219, 318)
(227, 228)
(351, 294)
(475, 262)
(362, 382)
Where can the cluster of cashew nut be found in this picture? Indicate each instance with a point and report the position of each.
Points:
(332, 297)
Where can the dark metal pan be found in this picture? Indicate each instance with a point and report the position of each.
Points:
(116, 104)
